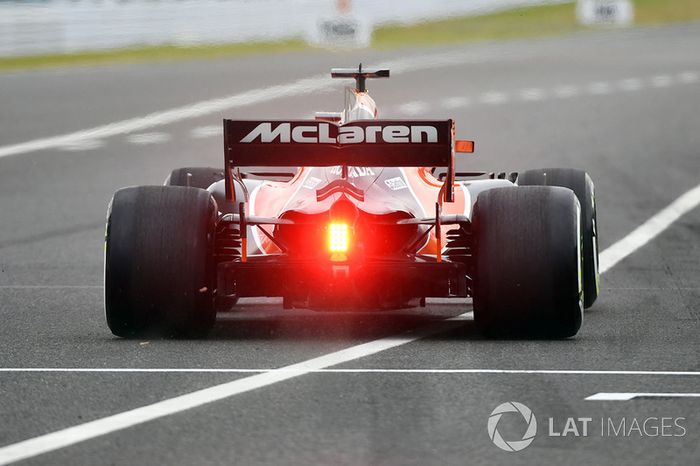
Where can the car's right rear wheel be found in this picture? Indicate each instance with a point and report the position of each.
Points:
(527, 277)
(581, 184)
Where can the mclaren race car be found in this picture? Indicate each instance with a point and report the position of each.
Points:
(373, 216)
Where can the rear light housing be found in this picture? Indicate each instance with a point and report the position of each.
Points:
(319, 236)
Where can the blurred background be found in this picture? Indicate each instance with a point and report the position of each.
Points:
(34, 32)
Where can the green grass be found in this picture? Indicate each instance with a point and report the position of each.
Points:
(654, 12)
(150, 53)
(536, 21)
(519, 23)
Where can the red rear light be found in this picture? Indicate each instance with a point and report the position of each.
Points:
(338, 238)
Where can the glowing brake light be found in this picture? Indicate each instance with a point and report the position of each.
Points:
(338, 237)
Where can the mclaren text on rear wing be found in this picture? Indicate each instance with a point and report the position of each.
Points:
(376, 143)
(370, 143)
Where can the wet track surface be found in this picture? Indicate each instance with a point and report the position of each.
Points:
(622, 105)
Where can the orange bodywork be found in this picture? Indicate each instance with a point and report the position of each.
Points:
(272, 197)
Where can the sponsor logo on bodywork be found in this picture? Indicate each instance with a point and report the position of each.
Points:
(396, 184)
(311, 182)
(353, 172)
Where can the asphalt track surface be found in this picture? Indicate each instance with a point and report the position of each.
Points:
(621, 104)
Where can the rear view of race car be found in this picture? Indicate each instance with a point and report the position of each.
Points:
(374, 217)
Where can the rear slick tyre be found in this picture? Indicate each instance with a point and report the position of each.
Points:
(582, 185)
(158, 261)
(527, 280)
(204, 177)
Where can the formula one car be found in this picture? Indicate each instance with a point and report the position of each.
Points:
(374, 217)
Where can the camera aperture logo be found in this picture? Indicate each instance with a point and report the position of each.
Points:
(512, 445)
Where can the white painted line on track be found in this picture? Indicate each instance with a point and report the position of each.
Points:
(455, 102)
(566, 92)
(594, 88)
(649, 229)
(174, 115)
(50, 287)
(197, 370)
(493, 98)
(599, 88)
(662, 80)
(314, 84)
(413, 108)
(429, 301)
(207, 131)
(448, 301)
(631, 84)
(631, 396)
(148, 138)
(532, 95)
(688, 77)
(87, 144)
(79, 433)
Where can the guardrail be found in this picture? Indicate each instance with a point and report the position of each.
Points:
(64, 26)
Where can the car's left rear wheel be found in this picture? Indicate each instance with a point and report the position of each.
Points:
(202, 177)
(158, 261)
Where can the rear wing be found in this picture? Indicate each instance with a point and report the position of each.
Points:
(368, 143)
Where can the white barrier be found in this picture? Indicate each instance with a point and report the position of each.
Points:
(62, 26)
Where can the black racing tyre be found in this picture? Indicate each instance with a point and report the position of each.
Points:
(581, 184)
(203, 177)
(195, 177)
(528, 262)
(158, 261)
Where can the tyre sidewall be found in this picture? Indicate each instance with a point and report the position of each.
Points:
(527, 266)
(158, 261)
